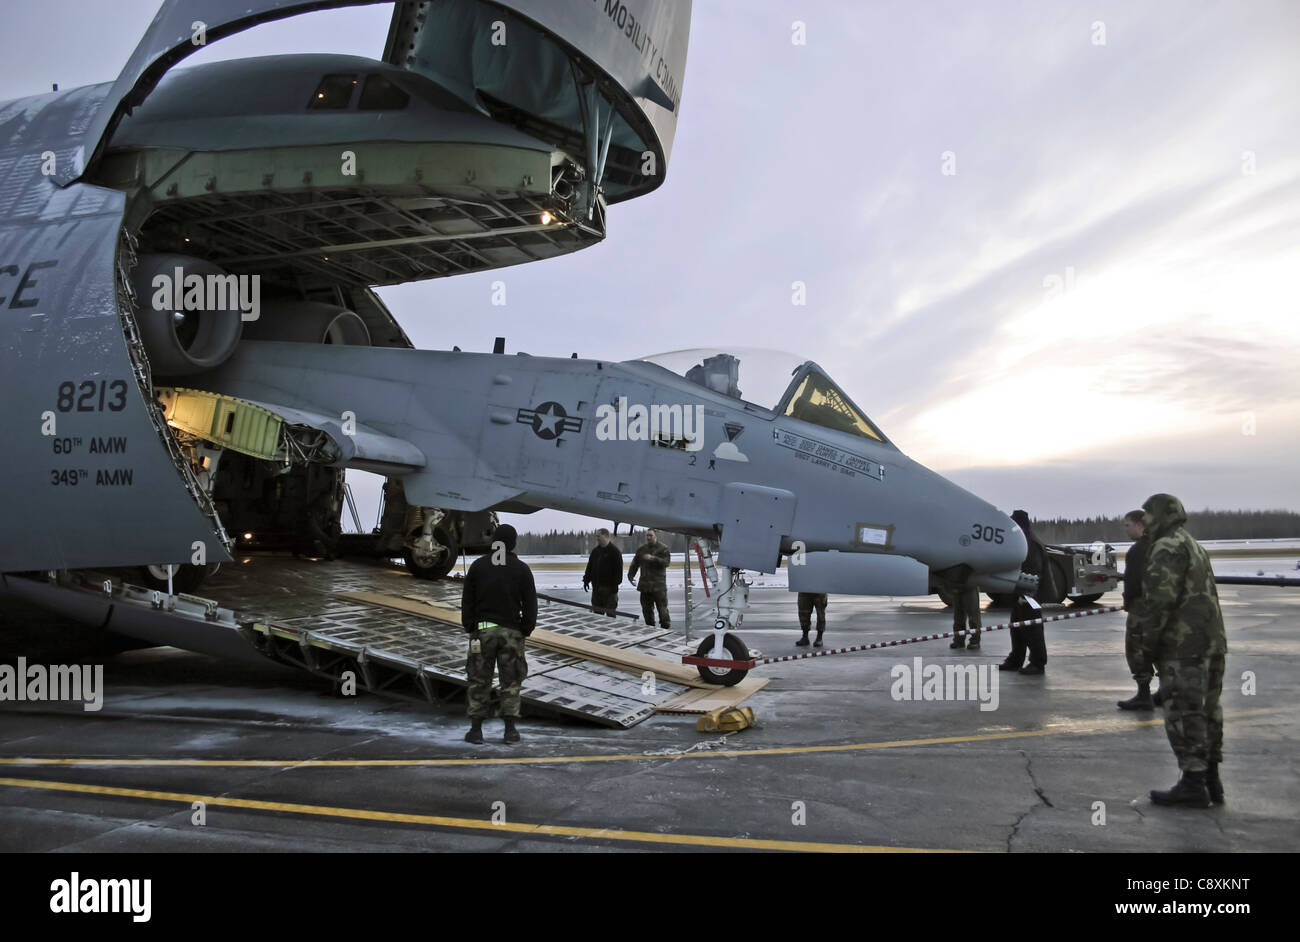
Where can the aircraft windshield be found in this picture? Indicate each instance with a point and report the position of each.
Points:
(818, 400)
(779, 382)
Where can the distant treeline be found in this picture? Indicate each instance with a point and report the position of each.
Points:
(570, 542)
(1202, 524)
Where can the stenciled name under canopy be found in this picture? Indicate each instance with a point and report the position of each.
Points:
(828, 456)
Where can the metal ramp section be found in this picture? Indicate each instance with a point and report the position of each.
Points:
(292, 612)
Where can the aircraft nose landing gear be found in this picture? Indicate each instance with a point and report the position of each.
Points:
(731, 649)
(723, 646)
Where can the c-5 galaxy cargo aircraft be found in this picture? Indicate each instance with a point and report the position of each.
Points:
(193, 353)
(149, 225)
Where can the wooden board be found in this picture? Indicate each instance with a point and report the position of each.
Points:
(707, 699)
(623, 658)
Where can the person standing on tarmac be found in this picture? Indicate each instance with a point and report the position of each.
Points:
(807, 602)
(499, 610)
(1028, 638)
(652, 559)
(965, 610)
(1134, 562)
(1180, 628)
(603, 575)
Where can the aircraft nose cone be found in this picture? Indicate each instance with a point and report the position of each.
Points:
(1004, 553)
(1016, 546)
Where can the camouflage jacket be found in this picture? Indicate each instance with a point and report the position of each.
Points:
(653, 572)
(1180, 615)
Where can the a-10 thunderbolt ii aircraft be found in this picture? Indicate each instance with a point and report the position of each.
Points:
(158, 397)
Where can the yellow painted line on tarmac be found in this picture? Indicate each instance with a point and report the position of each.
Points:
(440, 821)
(1114, 726)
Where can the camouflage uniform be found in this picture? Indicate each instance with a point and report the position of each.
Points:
(1180, 627)
(807, 602)
(503, 648)
(965, 610)
(498, 610)
(1139, 666)
(654, 583)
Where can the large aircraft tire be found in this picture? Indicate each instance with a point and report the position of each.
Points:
(738, 651)
(186, 578)
(444, 564)
(1085, 599)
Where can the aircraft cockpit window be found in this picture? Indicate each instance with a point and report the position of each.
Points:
(334, 92)
(819, 401)
(379, 94)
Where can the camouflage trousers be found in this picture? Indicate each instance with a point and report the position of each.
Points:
(966, 610)
(1138, 664)
(501, 648)
(604, 599)
(808, 601)
(655, 598)
(1193, 715)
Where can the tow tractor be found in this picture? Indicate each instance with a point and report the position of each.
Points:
(1080, 573)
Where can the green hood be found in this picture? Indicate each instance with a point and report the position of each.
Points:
(1168, 514)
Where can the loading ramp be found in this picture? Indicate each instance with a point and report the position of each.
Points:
(400, 636)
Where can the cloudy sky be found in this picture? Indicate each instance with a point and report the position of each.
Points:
(1101, 302)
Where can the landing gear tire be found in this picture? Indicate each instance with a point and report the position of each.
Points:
(429, 566)
(726, 677)
(1085, 599)
(185, 578)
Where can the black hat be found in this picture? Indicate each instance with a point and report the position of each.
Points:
(507, 535)
(1022, 520)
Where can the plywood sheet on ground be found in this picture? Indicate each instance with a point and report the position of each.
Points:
(706, 699)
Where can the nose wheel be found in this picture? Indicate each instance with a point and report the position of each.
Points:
(732, 649)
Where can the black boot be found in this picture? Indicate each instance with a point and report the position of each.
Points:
(1009, 665)
(957, 641)
(475, 734)
(974, 642)
(1213, 784)
(1034, 669)
(817, 643)
(1142, 700)
(803, 642)
(1190, 791)
(512, 734)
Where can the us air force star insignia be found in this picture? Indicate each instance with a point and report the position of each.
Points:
(549, 420)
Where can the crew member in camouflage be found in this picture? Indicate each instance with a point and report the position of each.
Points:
(498, 611)
(1134, 564)
(652, 559)
(807, 603)
(1181, 631)
(965, 608)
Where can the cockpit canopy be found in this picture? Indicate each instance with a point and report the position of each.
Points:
(783, 383)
